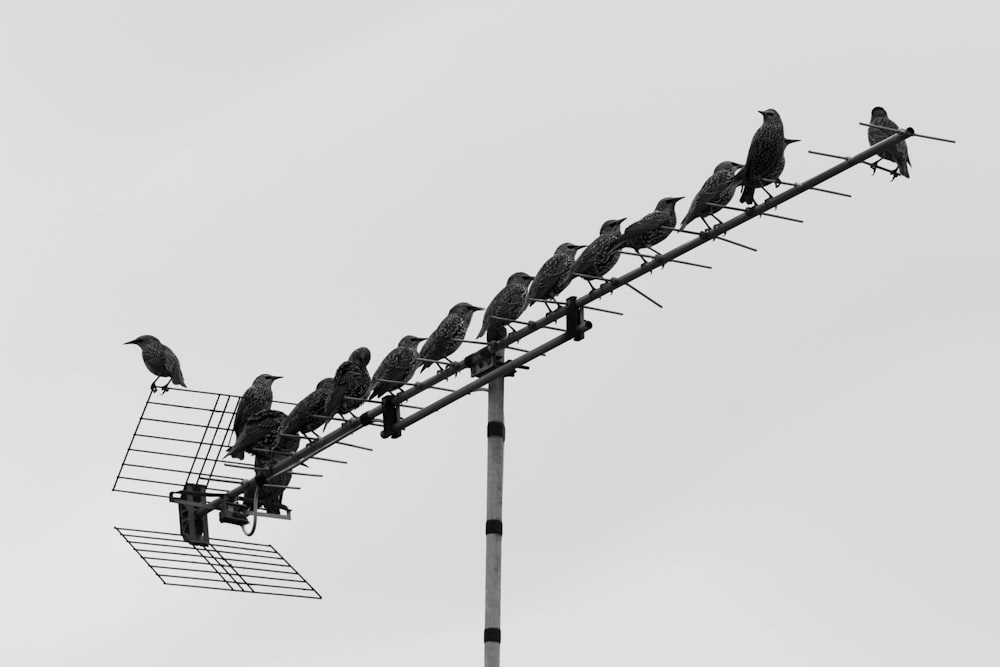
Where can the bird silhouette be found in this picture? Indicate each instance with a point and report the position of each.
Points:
(548, 280)
(260, 431)
(897, 153)
(715, 192)
(600, 256)
(765, 156)
(652, 229)
(397, 367)
(508, 304)
(256, 398)
(447, 337)
(160, 360)
(350, 384)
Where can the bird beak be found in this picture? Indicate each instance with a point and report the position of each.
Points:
(678, 198)
(738, 165)
(421, 339)
(276, 377)
(131, 342)
(790, 141)
(622, 220)
(760, 112)
(475, 308)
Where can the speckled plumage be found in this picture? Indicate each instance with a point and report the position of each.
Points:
(509, 303)
(307, 415)
(765, 156)
(160, 360)
(898, 153)
(350, 384)
(716, 191)
(397, 368)
(256, 398)
(261, 435)
(548, 280)
(600, 256)
(447, 337)
(652, 228)
(259, 432)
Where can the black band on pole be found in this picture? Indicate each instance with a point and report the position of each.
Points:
(491, 635)
(494, 527)
(496, 428)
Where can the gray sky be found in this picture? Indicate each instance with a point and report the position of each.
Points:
(793, 463)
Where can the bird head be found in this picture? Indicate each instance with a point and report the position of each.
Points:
(266, 379)
(463, 308)
(728, 166)
(879, 112)
(520, 278)
(667, 203)
(567, 249)
(410, 341)
(770, 116)
(361, 356)
(612, 226)
(143, 341)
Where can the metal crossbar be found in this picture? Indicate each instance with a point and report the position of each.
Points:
(573, 306)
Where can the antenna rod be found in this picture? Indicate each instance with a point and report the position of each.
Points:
(354, 425)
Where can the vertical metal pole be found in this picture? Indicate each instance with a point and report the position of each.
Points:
(494, 513)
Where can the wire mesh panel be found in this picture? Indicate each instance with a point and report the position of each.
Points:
(179, 439)
(224, 565)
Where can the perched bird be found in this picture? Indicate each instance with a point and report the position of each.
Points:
(260, 432)
(397, 368)
(897, 153)
(256, 398)
(308, 413)
(600, 256)
(715, 192)
(350, 384)
(508, 304)
(271, 495)
(548, 279)
(765, 157)
(160, 360)
(447, 338)
(652, 229)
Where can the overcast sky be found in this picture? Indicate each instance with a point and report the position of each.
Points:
(791, 464)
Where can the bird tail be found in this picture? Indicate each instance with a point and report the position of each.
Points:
(747, 196)
(904, 167)
(178, 379)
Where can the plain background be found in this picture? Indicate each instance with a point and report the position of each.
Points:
(793, 463)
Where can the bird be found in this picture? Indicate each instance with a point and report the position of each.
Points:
(600, 256)
(447, 337)
(508, 304)
(548, 279)
(652, 228)
(270, 495)
(308, 415)
(715, 192)
(160, 360)
(263, 432)
(766, 155)
(350, 384)
(897, 153)
(259, 432)
(256, 398)
(397, 367)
